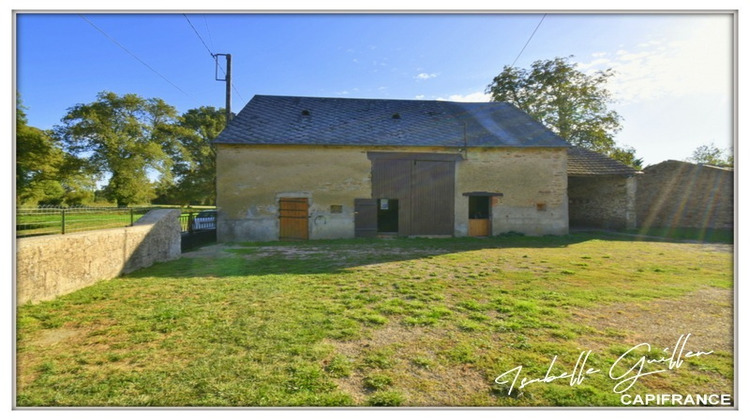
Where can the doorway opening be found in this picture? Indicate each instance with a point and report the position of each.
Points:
(479, 215)
(387, 215)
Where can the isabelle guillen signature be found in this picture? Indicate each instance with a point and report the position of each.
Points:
(627, 369)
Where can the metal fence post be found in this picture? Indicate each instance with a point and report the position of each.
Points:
(63, 221)
(131, 217)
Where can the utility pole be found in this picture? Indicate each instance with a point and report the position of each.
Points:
(228, 80)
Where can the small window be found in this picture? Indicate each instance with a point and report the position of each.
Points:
(337, 208)
(541, 206)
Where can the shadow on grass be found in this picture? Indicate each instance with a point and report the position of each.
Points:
(333, 256)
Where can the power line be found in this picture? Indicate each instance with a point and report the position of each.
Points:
(209, 50)
(527, 42)
(210, 39)
(114, 41)
(198, 35)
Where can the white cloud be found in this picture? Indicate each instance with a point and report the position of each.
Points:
(698, 62)
(471, 97)
(425, 76)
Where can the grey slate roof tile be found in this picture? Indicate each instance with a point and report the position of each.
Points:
(384, 122)
(584, 162)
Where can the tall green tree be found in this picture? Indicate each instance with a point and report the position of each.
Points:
(195, 173)
(572, 104)
(127, 138)
(45, 173)
(710, 154)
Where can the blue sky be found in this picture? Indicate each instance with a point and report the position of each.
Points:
(673, 82)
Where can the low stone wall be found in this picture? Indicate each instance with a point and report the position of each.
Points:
(50, 266)
(682, 194)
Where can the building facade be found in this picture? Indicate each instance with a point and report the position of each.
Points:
(322, 168)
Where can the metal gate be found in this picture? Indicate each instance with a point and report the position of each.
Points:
(293, 219)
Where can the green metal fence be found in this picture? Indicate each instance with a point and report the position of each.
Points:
(58, 220)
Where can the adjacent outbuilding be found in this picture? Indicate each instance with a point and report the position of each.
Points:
(601, 191)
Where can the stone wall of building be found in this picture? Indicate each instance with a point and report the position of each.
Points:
(50, 266)
(251, 179)
(682, 194)
(533, 182)
(607, 202)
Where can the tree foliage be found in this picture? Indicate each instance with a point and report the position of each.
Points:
(572, 104)
(710, 154)
(195, 167)
(45, 173)
(126, 138)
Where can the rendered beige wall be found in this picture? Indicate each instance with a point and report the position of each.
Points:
(251, 179)
(50, 266)
(527, 178)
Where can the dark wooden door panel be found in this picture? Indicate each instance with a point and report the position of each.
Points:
(391, 178)
(365, 217)
(432, 198)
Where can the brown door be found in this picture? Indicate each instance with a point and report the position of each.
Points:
(365, 218)
(293, 217)
(432, 184)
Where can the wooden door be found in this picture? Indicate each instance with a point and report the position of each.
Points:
(365, 218)
(293, 219)
(432, 187)
(480, 227)
(391, 178)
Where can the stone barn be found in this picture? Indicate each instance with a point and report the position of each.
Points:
(318, 168)
(683, 194)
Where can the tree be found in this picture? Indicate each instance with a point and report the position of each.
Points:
(128, 138)
(37, 161)
(196, 172)
(572, 104)
(45, 174)
(710, 154)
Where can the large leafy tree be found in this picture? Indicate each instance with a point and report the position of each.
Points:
(45, 174)
(573, 104)
(127, 138)
(195, 167)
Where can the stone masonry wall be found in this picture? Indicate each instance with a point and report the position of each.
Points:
(682, 194)
(50, 266)
(602, 202)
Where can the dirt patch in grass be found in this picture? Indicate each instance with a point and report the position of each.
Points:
(706, 314)
(56, 336)
(415, 367)
(210, 251)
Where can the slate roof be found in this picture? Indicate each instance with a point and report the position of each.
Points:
(292, 120)
(584, 162)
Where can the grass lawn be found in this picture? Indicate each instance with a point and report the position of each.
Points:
(401, 322)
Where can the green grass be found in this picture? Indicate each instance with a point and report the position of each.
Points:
(725, 236)
(403, 322)
(51, 222)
